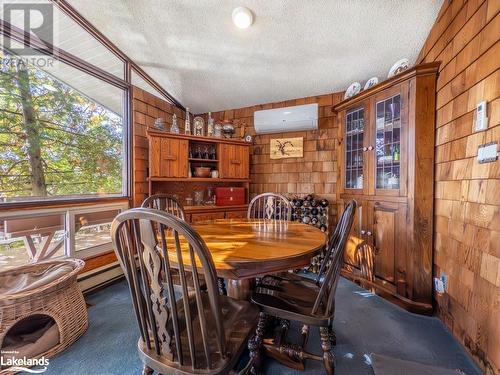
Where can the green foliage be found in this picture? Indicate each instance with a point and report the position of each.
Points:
(81, 142)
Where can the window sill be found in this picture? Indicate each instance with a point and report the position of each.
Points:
(61, 203)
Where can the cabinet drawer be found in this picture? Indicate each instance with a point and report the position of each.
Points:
(236, 214)
(207, 216)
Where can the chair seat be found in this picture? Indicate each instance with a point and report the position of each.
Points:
(292, 297)
(239, 319)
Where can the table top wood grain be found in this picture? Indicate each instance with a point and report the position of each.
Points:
(244, 248)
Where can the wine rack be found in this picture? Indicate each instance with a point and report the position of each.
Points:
(315, 212)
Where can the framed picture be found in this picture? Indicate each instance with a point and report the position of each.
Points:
(287, 148)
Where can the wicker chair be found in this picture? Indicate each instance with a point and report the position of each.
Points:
(60, 300)
(270, 206)
(197, 332)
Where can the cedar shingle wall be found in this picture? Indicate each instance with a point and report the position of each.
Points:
(315, 173)
(465, 38)
(146, 108)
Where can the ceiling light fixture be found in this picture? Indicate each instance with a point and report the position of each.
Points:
(242, 17)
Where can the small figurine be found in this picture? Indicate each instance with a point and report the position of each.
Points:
(187, 123)
(199, 126)
(174, 128)
(218, 130)
(159, 124)
(210, 125)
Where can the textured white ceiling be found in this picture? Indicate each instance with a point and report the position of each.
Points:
(295, 48)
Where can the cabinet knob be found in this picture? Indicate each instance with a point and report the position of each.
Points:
(368, 233)
(365, 149)
(370, 148)
(363, 231)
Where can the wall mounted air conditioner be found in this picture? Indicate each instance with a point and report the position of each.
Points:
(288, 119)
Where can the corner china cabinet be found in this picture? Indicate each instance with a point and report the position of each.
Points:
(386, 159)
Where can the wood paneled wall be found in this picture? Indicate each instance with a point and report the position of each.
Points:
(465, 38)
(315, 173)
(146, 108)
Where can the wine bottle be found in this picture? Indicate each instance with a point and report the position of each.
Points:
(395, 154)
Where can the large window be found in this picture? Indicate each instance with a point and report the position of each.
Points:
(58, 139)
(63, 117)
(64, 123)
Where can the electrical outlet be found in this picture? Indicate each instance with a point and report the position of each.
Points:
(444, 279)
(438, 285)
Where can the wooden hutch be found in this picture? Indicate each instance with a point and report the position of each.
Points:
(169, 163)
(386, 159)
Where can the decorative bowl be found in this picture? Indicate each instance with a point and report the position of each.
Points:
(201, 172)
(228, 130)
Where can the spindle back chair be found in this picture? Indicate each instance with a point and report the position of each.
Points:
(270, 206)
(312, 305)
(165, 203)
(185, 332)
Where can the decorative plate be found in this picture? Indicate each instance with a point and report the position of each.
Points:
(398, 67)
(352, 90)
(371, 82)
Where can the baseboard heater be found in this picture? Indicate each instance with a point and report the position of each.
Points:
(99, 278)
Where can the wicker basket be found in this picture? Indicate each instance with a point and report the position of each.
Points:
(60, 299)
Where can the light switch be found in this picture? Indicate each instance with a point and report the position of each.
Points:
(487, 152)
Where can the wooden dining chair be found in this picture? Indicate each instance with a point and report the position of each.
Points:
(310, 302)
(270, 206)
(165, 203)
(282, 280)
(195, 331)
(171, 205)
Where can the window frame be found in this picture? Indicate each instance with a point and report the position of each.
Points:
(125, 84)
(69, 213)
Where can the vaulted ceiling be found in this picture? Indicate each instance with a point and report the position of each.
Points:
(293, 49)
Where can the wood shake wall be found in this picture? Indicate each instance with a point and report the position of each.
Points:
(314, 173)
(465, 38)
(146, 108)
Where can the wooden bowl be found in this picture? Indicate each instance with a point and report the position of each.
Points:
(201, 172)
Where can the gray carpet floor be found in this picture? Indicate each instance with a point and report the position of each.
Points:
(364, 323)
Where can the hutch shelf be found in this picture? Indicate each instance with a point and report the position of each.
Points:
(386, 159)
(173, 157)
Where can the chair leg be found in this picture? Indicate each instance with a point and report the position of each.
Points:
(305, 334)
(146, 370)
(255, 344)
(333, 336)
(328, 359)
(221, 283)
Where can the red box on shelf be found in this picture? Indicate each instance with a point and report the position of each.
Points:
(229, 196)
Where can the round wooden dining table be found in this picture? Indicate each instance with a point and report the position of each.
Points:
(243, 249)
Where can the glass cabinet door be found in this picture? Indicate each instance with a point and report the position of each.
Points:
(354, 132)
(388, 143)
